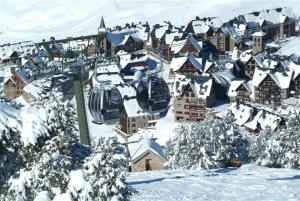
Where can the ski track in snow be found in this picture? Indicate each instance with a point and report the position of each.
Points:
(246, 183)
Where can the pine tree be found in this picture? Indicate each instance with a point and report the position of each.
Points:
(209, 144)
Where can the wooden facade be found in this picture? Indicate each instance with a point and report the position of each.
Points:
(268, 92)
(188, 108)
(242, 95)
(188, 68)
(13, 87)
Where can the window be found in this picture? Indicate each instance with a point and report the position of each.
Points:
(133, 119)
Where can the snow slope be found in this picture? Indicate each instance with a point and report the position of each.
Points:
(38, 19)
(246, 183)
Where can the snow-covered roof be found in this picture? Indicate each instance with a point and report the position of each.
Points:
(22, 48)
(138, 149)
(178, 62)
(235, 84)
(201, 86)
(241, 112)
(126, 90)
(35, 90)
(245, 56)
(201, 26)
(296, 68)
(113, 79)
(140, 56)
(259, 34)
(133, 109)
(177, 45)
(116, 38)
(265, 119)
(273, 16)
(289, 47)
(107, 69)
(282, 79)
(232, 32)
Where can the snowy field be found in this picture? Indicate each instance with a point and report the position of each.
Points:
(246, 183)
(38, 19)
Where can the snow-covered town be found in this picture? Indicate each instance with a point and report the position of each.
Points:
(149, 100)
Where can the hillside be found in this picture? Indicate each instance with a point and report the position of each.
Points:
(40, 19)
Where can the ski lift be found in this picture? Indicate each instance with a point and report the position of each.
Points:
(105, 101)
(105, 104)
(153, 94)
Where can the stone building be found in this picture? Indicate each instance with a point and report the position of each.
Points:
(146, 155)
(258, 42)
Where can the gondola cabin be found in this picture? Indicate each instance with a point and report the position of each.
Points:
(105, 104)
(153, 94)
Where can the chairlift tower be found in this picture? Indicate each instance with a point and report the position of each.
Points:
(80, 103)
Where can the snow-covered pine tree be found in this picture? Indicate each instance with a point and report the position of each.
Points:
(106, 171)
(212, 143)
(283, 148)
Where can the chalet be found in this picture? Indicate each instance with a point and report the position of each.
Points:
(90, 50)
(11, 57)
(276, 23)
(161, 39)
(251, 63)
(157, 32)
(133, 117)
(132, 43)
(240, 90)
(146, 155)
(226, 38)
(14, 85)
(272, 83)
(191, 65)
(57, 50)
(183, 47)
(192, 96)
(203, 28)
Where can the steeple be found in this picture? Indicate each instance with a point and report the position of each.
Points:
(102, 25)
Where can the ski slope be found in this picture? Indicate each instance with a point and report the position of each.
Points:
(38, 19)
(246, 183)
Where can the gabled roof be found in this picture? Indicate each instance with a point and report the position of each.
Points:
(138, 149)
(235, 84)
(179, 44)
(178, 62)
(265, 119)
(201, 26)
(201, 86)
(273, 16)
(281, 78)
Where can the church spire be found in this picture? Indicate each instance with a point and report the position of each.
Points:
(102, 25)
